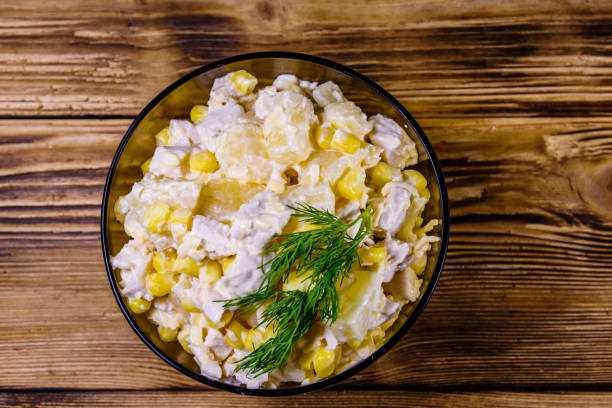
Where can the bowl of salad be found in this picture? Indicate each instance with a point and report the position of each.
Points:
(272, 223)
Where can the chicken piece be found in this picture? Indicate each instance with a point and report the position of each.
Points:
(214, 236)
(216, 342)
(405, 286)
(231, 88)
(166, 314)
(168, 162)
(386, 309)
(181, 133)
(133, 261)
(398, 257)
(242, 277)
(258, 220)
(265, 102)
(215, 122)
(205, 298)
(398, 149)
(229, 367)
(391, 212)
(207, 363)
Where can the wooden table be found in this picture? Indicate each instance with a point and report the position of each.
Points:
(516, 98)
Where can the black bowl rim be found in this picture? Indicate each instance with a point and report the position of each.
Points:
(418, 308)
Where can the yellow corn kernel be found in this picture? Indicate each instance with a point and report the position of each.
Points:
(198, 112)
(155, 216)
(418, 266)
(419, 181)
(381, 174)
(244, 82)
(166, 334)
(162, 137)
(160, 284)
(351, 185)
(181, 215)
(145, 166)
(372, 255)
(253, 339)
(324, 362)
(162, 262)
(188, 305)
(345, 142)
(324, 135)
(235, 334)
(139, 306)
(353, 343)
(211, 272)
(187, 266)
(227, 262)
(305, 361)
(203, 161)
(182, 338)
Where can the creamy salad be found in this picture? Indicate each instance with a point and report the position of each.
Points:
(215, 194)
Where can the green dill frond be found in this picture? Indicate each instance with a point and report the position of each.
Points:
(323, 256)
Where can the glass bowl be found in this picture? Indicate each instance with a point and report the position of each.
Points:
(176, 101)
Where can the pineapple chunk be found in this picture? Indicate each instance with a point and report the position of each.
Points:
(326, 93)
(295, 282)
(241, 152)
(319, 195)
(221, 199)
(352, 185)
(348, 117)
(324, 135)
(357, 304)
(287, 128)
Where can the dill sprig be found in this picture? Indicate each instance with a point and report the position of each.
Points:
(323, 256)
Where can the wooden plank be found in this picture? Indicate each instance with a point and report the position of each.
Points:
(323, 399)
(524, 300)
(442, 58)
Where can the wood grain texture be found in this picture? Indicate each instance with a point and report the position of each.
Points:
(324, 399)
(524, 301)
(514, 96)
(441, 58)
